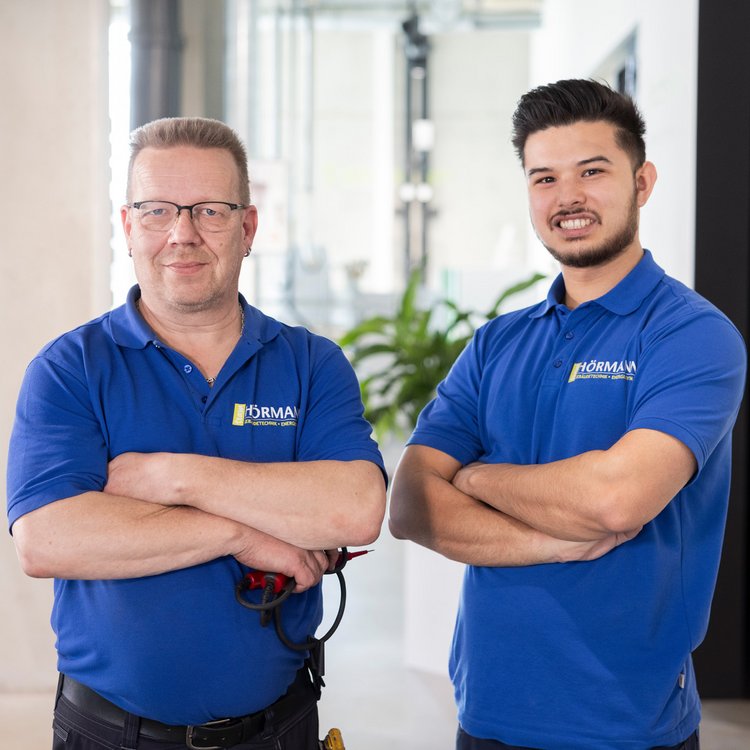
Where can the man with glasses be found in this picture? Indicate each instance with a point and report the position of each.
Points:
(165, 448)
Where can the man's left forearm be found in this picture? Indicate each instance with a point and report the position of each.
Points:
(312, 505)
(593, 494)
(544, 496)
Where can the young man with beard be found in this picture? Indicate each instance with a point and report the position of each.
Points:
(577, 459)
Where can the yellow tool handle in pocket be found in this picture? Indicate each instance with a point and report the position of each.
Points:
(334, 740)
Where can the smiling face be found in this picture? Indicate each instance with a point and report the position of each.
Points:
(183, 269)
(584, 194)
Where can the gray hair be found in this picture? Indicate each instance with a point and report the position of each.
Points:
(200, 132)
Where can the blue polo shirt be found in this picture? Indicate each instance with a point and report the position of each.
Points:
(594, 655)
(177, 647)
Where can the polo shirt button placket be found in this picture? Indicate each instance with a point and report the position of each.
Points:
(187, 368)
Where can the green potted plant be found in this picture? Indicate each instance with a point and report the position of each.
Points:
(400, 359)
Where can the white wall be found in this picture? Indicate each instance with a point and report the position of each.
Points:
(54, 264)
(478, 234)
(353, 136)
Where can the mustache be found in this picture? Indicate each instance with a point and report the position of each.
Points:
(564, 213)
(575, 211)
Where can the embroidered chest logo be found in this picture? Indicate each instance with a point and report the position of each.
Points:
(594, 369)
(256, 415)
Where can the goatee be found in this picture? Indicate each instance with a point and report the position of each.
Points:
(612, 247)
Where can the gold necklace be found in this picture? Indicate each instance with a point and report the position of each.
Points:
(210, 381)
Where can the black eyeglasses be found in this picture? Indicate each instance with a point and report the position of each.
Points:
(160, 216)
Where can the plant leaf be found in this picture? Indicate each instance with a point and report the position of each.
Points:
(405, 356)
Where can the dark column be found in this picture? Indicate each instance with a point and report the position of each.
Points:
(722, 274)
(156, 46)
(416, 213)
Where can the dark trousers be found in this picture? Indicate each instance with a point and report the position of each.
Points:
(465, 741)
(75, 730)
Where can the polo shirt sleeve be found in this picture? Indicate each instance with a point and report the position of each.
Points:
(449, 423)
(332, 425)
(690, 381)
(57, 449)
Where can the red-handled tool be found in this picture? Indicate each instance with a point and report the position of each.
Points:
(277, 587)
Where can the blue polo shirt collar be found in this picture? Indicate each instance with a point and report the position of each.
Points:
(129, 329)
(623, 299)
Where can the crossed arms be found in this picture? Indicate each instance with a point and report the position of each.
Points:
(506, 515)
(166, 511)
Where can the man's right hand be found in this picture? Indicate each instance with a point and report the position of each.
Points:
(560, 550)
(263, 552)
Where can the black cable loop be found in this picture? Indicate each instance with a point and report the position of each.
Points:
(265, 604)
(269, 607)
(311, 642)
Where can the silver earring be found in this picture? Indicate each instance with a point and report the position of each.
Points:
(248, 251)
(130, 252)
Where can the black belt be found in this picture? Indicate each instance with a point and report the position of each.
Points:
(213, 735)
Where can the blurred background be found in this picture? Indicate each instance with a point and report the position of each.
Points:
(378, 133)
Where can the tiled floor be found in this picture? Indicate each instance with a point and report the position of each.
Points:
(371, 696)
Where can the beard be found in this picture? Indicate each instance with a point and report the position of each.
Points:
(612, 247)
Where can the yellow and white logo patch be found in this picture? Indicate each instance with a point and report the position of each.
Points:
(256, 415)
(603, 370)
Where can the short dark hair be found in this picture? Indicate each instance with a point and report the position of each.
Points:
(575, 100)
(201, 132)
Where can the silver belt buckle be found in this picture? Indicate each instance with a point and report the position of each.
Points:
(191, 728)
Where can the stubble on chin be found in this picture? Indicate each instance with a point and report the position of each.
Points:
(612, 247)
(589, 257)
